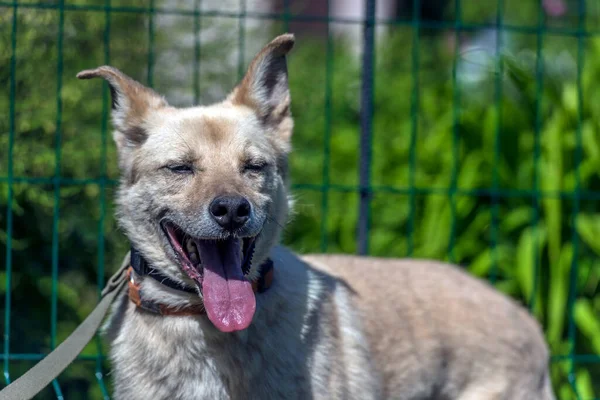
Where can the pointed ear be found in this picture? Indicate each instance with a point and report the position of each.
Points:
(131, 103)
(265, 86)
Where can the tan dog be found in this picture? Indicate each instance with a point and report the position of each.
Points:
(205, 188)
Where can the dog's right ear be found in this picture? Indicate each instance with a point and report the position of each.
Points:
(131, 103)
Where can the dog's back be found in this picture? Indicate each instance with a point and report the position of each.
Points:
(436, 332)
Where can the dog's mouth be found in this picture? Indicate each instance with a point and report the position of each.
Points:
(219, 268)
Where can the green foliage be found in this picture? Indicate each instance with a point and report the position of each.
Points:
(506, 188)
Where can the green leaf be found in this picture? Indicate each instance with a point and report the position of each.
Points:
(515, 219)
(558, 289)
(530, 244)
(584, 384)
(588, 322)
(588, 228)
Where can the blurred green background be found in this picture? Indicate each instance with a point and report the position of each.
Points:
(485, 151)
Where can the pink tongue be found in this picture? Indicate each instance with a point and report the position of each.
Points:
(228, 296)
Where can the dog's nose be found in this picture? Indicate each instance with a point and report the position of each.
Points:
(231, 212)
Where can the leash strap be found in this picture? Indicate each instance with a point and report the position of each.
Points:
(45, 371)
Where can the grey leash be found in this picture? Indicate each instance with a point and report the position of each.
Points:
(45, 371)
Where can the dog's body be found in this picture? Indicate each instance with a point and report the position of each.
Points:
(443, 335)
(201, 188)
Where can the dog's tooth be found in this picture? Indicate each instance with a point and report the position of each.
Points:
(192, 251)
(190, 246)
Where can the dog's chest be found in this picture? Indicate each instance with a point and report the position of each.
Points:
(179, 358)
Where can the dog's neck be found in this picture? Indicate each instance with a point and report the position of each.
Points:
(139, 268)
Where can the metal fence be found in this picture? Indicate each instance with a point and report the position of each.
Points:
(365, 189)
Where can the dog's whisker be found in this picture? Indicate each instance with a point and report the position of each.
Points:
(185, 142)
(271, 219)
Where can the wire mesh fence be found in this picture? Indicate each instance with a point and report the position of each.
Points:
(458, 130)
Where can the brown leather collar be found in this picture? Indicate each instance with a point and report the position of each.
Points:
(136, 296)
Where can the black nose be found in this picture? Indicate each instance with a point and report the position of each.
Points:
(231, 212)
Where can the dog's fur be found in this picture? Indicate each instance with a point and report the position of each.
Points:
(330, 327)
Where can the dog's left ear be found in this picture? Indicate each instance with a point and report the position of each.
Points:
(265, 88)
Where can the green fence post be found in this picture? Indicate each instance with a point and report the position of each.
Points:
(56, 183)
(414, 132)
(535, 198)
(455, 128)
(9, 214)
(576, 196)
(197, 31)
(151, 11)
(366, 120)
(495, 210)
(241, 39)
(327, 129)
(99, 374)
(286, 15)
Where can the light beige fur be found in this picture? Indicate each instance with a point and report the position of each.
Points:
(330, 327)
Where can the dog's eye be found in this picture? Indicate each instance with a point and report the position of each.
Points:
(180, 168)
(254, 166)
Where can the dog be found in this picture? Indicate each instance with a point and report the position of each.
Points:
(216, 309)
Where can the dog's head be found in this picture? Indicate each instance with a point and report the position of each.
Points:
(201, 186)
